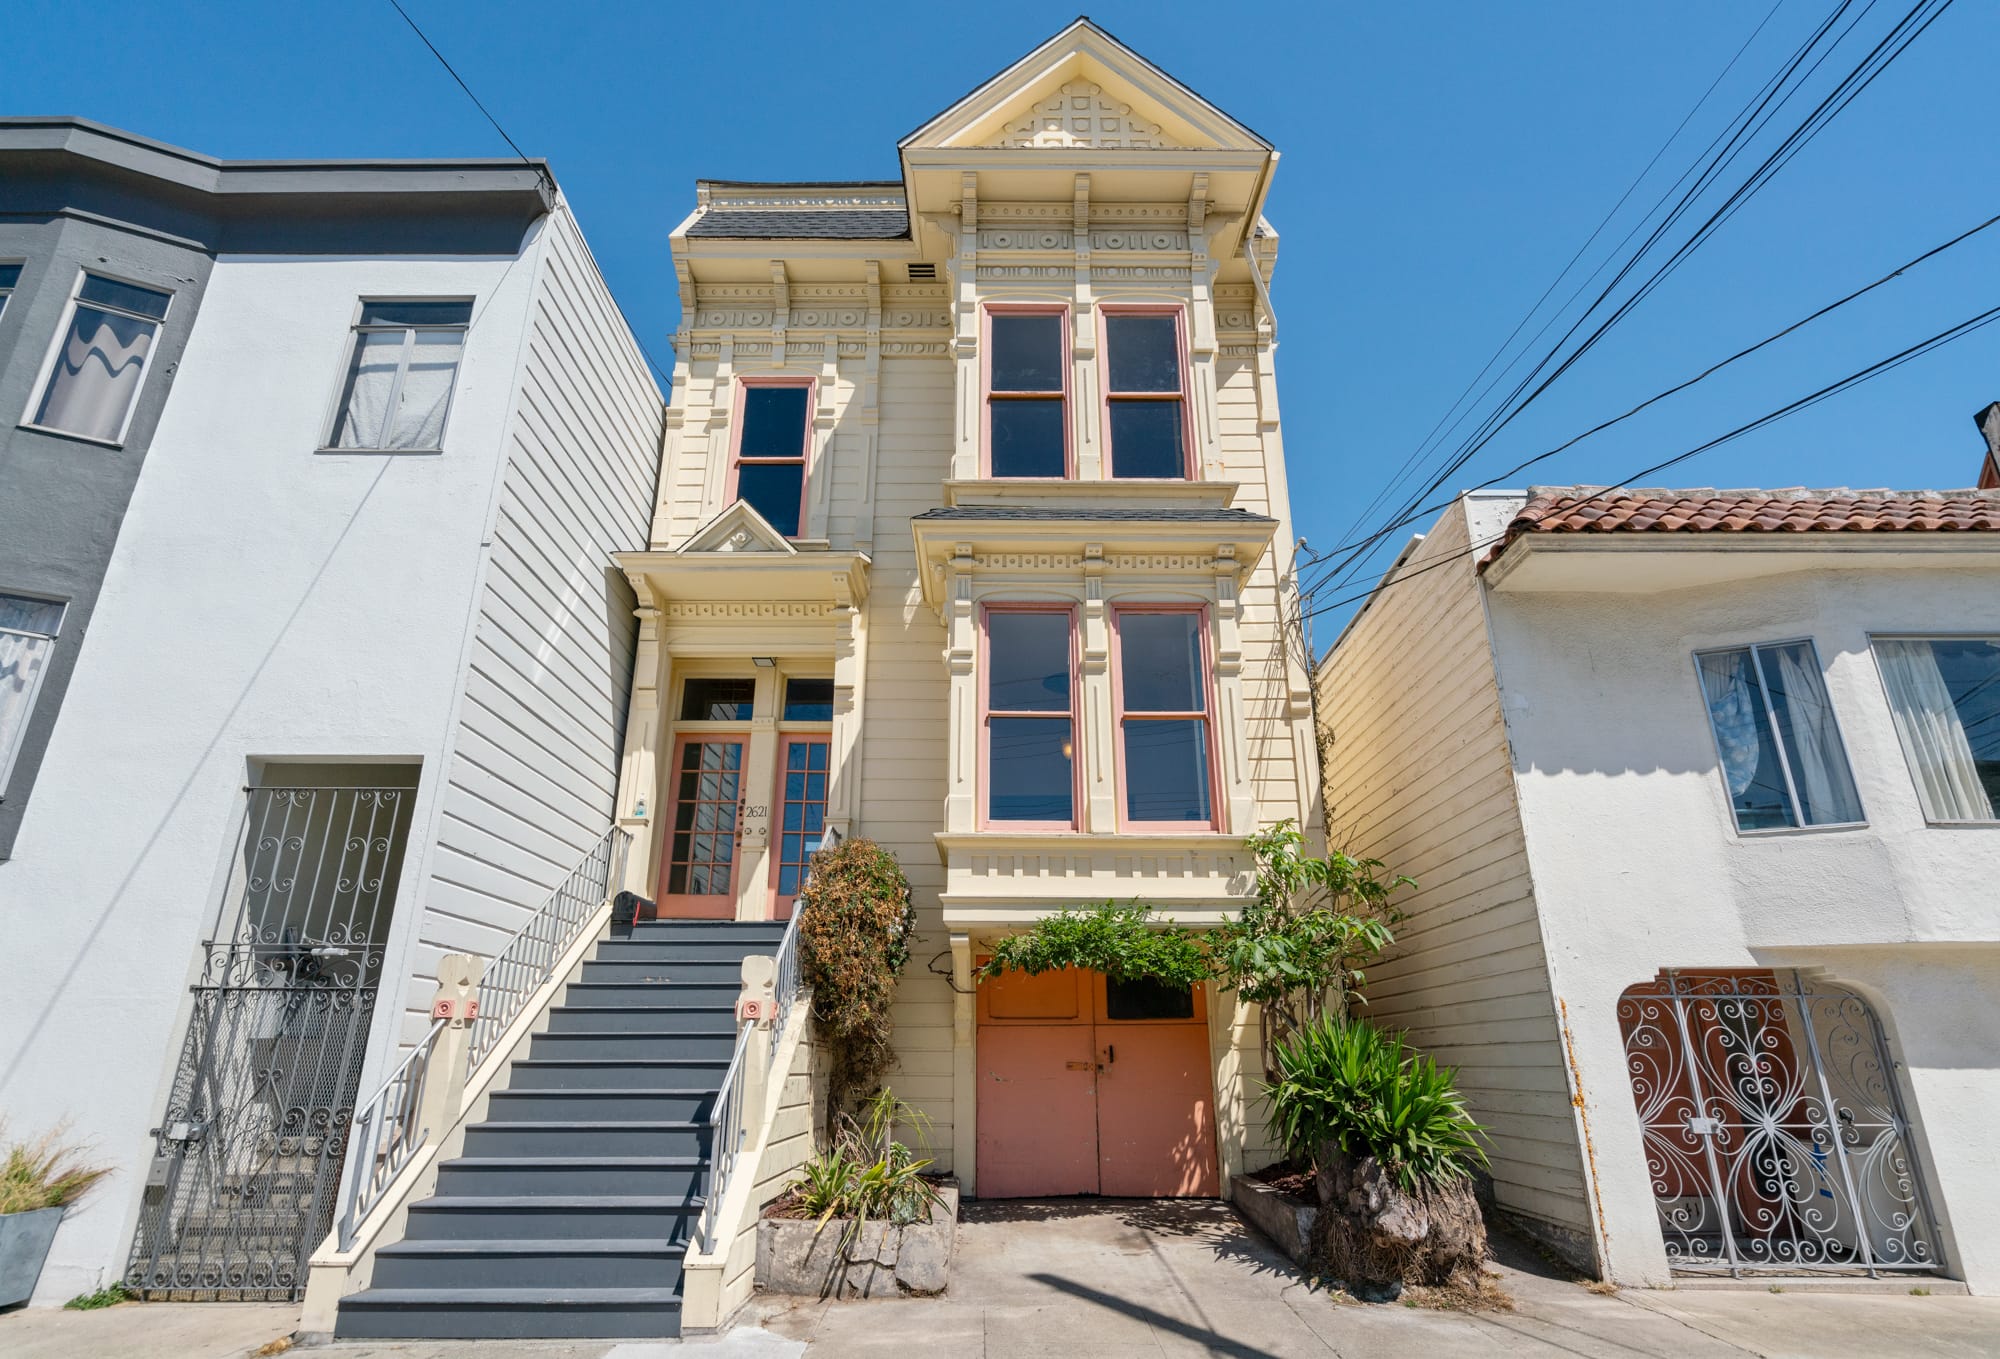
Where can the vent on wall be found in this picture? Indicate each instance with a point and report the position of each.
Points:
(922, 273)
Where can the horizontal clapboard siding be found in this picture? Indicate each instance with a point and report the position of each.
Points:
(1418, 775)
(534, 767)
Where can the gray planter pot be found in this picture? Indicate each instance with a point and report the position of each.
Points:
(798, 1257)
(25, 1239)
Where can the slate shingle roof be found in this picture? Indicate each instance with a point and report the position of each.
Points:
(1122, 513)
(1585, 509)
(803, 224)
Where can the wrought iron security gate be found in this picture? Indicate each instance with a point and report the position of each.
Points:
(1774, 1134)
(247, 1157)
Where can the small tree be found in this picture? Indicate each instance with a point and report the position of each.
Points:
(1298, 950)
(855, 924)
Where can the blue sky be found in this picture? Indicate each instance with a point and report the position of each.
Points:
(1441, 162)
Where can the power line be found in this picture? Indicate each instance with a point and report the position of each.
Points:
(1873, 370)
(543, 172)
(1898, 39)
(1658, 397)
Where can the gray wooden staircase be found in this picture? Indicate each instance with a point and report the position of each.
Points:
(570, 1210)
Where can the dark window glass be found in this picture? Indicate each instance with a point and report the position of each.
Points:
(808, 700)
(109, 292)
(1746, 692)
(10, 274)
(1144, 353)
(1030, 778)
(1027, 669)
(416, 313)
(1971, 673)
(704, 844)
(774, 490)
(1146, 439)
(1144, 998)
(1027, 353)
(1028, 439)
(774, 422)
(1166, 770)
(717, 700)
(1159, 658)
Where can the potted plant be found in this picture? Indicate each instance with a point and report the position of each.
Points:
(39, 1180)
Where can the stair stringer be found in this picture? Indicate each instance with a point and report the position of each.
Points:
(335, 1273)
(782, 1138)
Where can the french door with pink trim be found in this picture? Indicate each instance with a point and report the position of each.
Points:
(704, 828)
(802, 776)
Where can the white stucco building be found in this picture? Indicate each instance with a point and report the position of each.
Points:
(1703, 793)
(352, 693)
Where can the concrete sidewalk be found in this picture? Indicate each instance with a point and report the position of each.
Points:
(1118, 1279)
(1153, 1279)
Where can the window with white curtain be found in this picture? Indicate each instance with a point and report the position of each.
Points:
(28, 629)
(400, 372)
(1944, 693)
(100, 359)
(10, 277)
(1783, 763)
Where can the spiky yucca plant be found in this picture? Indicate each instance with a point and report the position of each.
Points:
(49, 1172)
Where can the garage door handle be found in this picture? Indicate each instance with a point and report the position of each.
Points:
(1079, 1066)
(1110, 1054)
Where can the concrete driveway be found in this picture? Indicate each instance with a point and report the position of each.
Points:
(1116, 1279)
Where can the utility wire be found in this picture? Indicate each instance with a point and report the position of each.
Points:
(547, 178)
(1658, 397)
(1873, 370)
(1904, 32)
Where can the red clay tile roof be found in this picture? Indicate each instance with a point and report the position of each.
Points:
(1592, 509)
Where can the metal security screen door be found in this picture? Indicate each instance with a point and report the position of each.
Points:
(247, 1157)
(1774, 1135)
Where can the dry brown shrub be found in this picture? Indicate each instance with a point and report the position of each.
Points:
(855, 924)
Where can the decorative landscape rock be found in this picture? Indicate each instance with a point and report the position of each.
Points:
(1285, 1218)
(799, 1256)
(1376, 1238)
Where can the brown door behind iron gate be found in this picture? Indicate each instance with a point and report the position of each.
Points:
(1774, 1132)
(247, 1157)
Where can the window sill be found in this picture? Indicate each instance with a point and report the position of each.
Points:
(1779, 832)
(1019, 490)
(381, 452)
(55, 433)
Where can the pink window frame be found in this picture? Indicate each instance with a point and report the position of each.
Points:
(986, 822)
(1200, 611)
(781, 902)
(804, 460)
(986, 393)
(1106, 312)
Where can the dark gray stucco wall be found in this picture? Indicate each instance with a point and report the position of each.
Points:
(62, 499)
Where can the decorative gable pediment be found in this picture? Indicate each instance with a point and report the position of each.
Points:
(1080, 113)
(737, 529)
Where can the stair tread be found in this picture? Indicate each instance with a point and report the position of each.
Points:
(502, 1297)
(621, 1061)
(678, 1124)
(595, 1091)
(502, 1161)
(540, 1245)
(509, 1201)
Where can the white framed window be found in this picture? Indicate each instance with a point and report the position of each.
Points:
(1783, 763)
(402, 364)
(10, 278)
(1944, 693)
(28, 631)
(90, 382)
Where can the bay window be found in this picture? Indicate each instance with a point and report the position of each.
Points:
(1783, 763)
(92, 382)
(1161, 700)
(1944, 693)
(1145, 395)
(773, 431)
(1027, 406)
(1030, 716)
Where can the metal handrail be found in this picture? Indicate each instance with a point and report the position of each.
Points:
(727, 1133)
(386, 1133)
(530, 956)
(786, 982)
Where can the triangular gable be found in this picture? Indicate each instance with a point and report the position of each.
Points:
(737, 529)
(1084, 88)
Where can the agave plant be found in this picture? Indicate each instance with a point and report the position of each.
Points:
(1344, 1081)
(866, 1175)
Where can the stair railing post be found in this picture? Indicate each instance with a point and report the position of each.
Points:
(756, 1005)
(457, 1003)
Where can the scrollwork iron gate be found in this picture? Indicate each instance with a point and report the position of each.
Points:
(247, 1157)
(1774, 1132)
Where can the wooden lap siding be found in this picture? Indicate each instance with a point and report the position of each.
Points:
(1419, 775)
(534, 764)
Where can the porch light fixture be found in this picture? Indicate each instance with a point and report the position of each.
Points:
(763, 662)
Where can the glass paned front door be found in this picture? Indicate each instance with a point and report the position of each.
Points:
(698, 876)
(801, 815)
